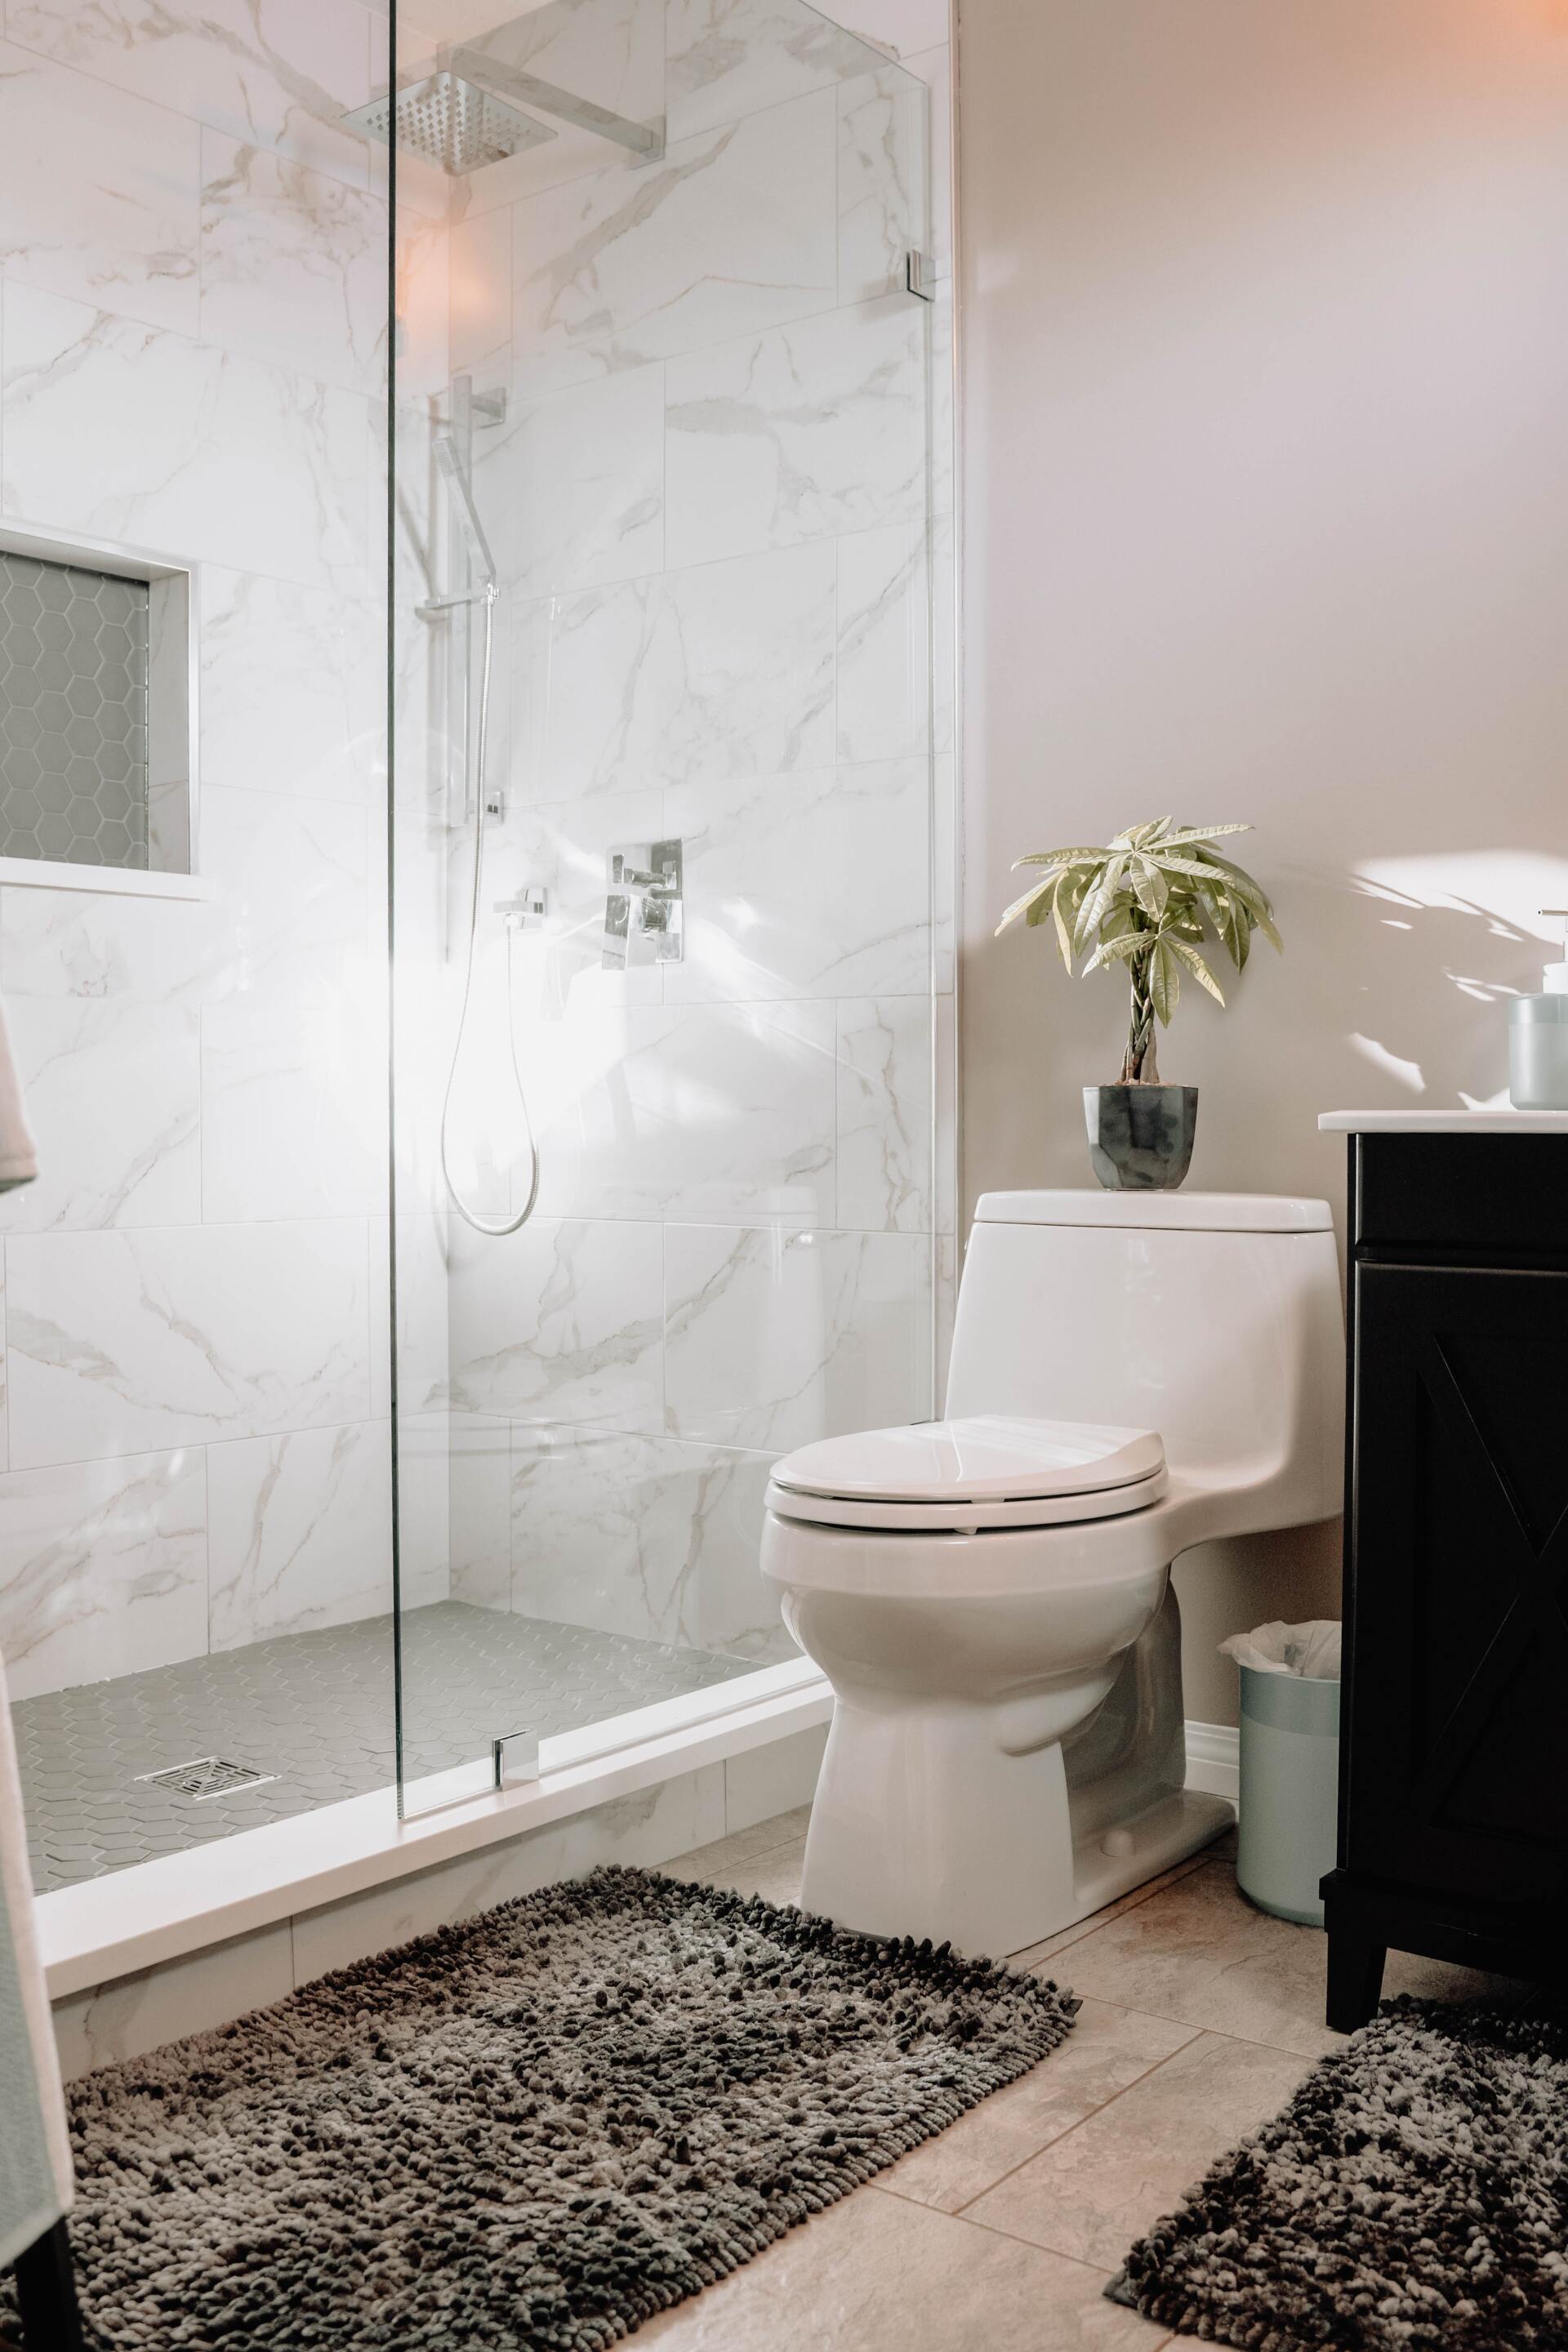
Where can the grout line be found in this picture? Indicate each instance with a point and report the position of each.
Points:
(1096, 1920)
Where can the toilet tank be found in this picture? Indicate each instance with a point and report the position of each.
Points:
(1214, 1318)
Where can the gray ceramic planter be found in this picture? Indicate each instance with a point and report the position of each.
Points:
(1141, 1138)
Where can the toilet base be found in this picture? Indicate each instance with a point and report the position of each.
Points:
(980, 1855)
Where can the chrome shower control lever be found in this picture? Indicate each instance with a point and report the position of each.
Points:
(644, 905)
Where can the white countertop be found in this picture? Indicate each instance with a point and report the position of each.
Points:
(1444, 1122)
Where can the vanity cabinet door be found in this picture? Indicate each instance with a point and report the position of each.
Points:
(1456, 1727)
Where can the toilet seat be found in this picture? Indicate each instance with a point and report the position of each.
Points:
(985, 1470)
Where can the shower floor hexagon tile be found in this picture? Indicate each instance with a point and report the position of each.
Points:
(315, 1711)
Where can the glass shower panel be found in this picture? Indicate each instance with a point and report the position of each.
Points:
(670, 957)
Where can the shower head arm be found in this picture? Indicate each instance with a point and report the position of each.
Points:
(640, 139)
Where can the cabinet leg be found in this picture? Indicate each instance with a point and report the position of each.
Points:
(46, 2295)
(1355, 1978)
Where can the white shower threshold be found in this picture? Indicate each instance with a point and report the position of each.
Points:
(161, 1911)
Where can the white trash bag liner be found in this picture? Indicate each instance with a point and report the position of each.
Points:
(1312, 1650)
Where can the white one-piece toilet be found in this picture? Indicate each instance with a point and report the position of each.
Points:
(990, 1595)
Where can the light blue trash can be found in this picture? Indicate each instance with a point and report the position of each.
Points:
(1289, 1791)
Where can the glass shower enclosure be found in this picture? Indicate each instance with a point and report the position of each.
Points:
(666, 856)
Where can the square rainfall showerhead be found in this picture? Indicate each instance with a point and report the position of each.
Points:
(451, 122)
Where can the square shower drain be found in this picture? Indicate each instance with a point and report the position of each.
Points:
(207, 1776)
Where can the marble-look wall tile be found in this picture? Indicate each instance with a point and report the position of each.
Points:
(803, 431)
(773, 1340)
(422, 1311)
(734, 231)
(560, 1322)
(125, 1341)
(293, 690)
(113, 1087)
(94, 945)
(282, 73)
(903, 27)
(479, 1469)
(724, 670)
(298, 1531)
(581, 475)
(293, 265)
(645, 1537)
(103, 1569)
(883, 209)
(291, 1098)
(479, 289)
(101, 193)
(564, 847)
(292, 875)
(885, 1113)
(932, 64)
(424, 1512)
(717, 1112)
(805, 885)
(193, 1995)
(884, 643)
(135, 434)
(732, 58)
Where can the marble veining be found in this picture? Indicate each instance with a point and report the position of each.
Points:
(733, 231)
(805, 431)
(293, 265)
(728, 58)
(805, 885)
(167, 1335)
(191, 447)
(724, 670)
(115, 1087)
(774, 1339)
(298, 1531)
(293, 688)
(885, 1113)
(102, 1567)
(642, 1535)
(99, 194)
(282, 73)
(561, 1321)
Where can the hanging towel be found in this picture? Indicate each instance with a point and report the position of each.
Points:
(35, 2154)
(19, 1153)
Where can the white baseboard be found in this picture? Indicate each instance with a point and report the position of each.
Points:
(1213, 1760)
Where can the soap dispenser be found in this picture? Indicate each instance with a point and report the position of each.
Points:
(1538, 1038)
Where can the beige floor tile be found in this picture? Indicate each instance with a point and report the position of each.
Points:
(775, 1875)
(879, 2275)
(1033, 1954)
(1107, 2050)
(1201, 1953)
(1090, 2193)
(726, 1853)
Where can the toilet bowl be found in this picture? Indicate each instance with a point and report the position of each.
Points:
(990, 1597)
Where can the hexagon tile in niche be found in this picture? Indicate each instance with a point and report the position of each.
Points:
(73, 713)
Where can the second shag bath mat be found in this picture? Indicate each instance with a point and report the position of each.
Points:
(529, 2133)
(1411, 2197)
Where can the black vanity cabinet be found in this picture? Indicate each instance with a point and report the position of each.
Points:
(1454, 1724)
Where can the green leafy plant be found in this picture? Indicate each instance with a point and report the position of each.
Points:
(1148, 900)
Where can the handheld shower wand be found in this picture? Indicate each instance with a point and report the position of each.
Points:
(486, 594)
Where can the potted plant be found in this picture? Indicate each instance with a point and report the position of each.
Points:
(1147, 901)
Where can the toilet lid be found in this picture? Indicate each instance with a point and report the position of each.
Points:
(985, 1458)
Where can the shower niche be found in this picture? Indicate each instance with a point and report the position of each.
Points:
(97, 708)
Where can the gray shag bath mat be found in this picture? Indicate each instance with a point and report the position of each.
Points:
(526, 2134)
(1414, 2193)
